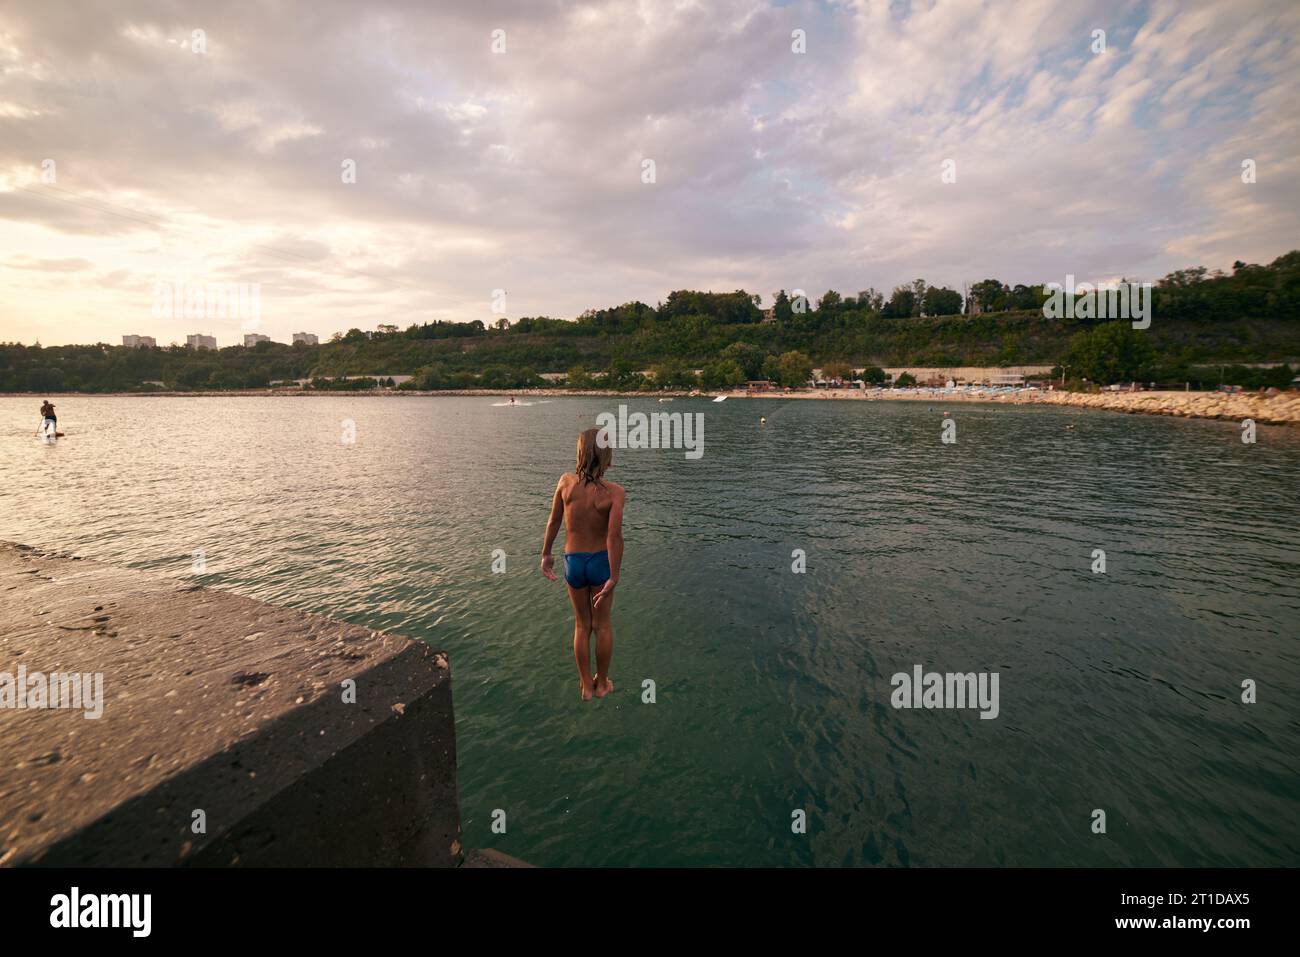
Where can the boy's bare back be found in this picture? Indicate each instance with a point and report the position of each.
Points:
(587, 507)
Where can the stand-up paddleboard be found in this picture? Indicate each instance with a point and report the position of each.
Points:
(721, 398)
(511, 405)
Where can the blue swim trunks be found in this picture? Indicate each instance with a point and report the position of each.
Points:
(586, 569)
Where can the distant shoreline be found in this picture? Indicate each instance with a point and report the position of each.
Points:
(1277, 408)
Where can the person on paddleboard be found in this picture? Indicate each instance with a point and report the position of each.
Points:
(50, 421)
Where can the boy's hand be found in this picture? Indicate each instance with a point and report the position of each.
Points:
(548, 566)
(607, 591)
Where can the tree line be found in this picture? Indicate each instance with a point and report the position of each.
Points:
(1205, 323)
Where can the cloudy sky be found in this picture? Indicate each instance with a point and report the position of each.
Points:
(523, 170)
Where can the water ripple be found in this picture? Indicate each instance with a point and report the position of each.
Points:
(1119, 691)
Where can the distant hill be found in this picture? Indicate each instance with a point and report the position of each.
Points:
(1200, 319)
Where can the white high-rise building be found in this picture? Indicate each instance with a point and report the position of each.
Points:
(306, 337)
(139, 342)
(253, 338)
(200, 341)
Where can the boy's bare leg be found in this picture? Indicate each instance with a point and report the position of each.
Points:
(581, 601)
(603, 624)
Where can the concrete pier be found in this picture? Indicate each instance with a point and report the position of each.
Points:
(217, 711)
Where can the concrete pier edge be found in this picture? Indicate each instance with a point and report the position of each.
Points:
(232, 732)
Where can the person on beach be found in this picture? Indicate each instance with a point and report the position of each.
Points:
(592, 511)
(49, 421)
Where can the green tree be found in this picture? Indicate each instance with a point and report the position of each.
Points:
(987, 295)
(871, 300)
(782, 310)
(578, 378)
(1111, 352)
(430, 378)
(1026, 297)
(496, 377)
(622, 375)
(793, 370)
(748, 356)
(874, 375)
(674, 374)
(722, 374)
(902, 303)
(940, 301)
(905, 381)
(918, 295)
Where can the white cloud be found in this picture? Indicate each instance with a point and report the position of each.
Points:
(522, 170)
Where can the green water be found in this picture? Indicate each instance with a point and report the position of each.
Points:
(1118, 691)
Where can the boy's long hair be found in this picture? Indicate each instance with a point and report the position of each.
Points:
(593, 456)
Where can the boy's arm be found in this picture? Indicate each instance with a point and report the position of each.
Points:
(552, 529)
(613, 544)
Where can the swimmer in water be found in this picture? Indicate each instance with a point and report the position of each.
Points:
(592, 512)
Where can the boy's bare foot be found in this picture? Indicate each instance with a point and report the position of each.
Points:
(586, 691)
(604, 687)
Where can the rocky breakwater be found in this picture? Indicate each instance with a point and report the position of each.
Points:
(1275, 408)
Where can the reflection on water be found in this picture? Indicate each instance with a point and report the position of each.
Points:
(1118, 691)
